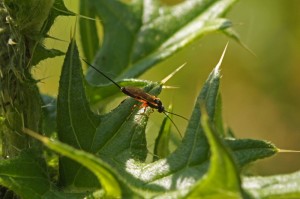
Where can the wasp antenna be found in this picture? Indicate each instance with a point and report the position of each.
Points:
(173, 123)
(172, 74)
(177, 115)
(96, 69)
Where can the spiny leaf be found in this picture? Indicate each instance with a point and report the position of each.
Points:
(76, 123)
(250, 150)
(189, 162)
(149, 32)
(119, 134)
(58, 9)
(119, 142)
(44, 53)
(222, 179)
(73, 113)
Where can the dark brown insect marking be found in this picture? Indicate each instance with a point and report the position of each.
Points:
(141, 96)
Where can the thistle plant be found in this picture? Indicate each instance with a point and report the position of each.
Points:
(70, 151)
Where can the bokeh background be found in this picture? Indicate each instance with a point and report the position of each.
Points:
(261, 94)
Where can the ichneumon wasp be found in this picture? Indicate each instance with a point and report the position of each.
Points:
(140, 95)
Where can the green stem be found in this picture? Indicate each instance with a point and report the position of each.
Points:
(20, 101)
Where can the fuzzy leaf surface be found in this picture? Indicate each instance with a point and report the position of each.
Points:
(278, 186)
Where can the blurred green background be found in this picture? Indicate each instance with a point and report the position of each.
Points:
(261, 94)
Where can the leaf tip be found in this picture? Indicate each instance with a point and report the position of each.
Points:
(217, 68)
(287, 151)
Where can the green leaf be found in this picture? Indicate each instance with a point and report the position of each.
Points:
(276, 187)
(188, 163)
(88, 30)
(161, 148)
(58, 9)
(222, 179)
(175, 174)
(28, 173)
(73, 112)
(105, 174)
(105, 155)
(76, 123)
(147, 32)
(249, 150)
(218, 120)
(41, 53)
(108, 135)
(51, 10)
(120, 148)
(27, 177)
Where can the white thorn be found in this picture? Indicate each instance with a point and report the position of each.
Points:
(221, 59)
(172, 74)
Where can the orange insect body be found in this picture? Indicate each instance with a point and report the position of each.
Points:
(141, 96)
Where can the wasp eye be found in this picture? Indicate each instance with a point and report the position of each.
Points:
(161, 109)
